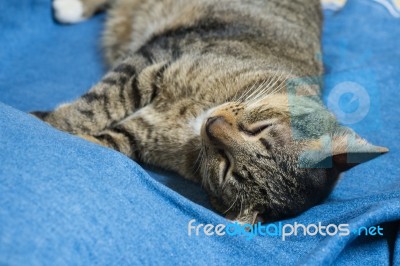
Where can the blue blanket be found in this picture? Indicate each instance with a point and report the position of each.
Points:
(67, 201)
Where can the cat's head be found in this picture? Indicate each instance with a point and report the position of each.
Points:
(274, 158)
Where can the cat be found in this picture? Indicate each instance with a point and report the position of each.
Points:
(225, 93)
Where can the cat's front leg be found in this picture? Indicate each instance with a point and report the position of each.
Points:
(150, 136)
(115, 97)
(125, 137)
(107, 102)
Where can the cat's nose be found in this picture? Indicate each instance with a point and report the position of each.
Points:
(215, 127)
(212, 119)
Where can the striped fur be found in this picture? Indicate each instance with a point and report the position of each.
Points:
(201, 88)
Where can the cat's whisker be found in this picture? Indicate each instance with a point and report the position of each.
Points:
(277, 79)
(233, 204)
(251, 90)
(261, 87)
(270, 90)
(266, 86)
(224, 184)
(241, 205)
(261, 91)
(278, 88)
(199, 160)
(244, 95)
(261, 95)
(206, 177)
(204, 180)
(284, 82)
(240, 93)
(273, 81)
(257, 90)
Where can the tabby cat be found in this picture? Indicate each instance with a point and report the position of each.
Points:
(223, 92)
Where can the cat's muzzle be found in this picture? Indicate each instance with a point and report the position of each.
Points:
(218, 130)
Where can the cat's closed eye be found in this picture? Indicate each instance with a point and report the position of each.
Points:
(255, 130)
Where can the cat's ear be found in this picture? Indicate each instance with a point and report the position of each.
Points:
(343, 149)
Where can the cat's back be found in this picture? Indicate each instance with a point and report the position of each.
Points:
(284, 30)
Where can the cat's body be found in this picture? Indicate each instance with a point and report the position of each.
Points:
(204, 88)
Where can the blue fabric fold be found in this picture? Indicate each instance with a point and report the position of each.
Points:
(67, 201)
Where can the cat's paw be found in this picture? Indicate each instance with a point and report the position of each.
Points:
(68, 11)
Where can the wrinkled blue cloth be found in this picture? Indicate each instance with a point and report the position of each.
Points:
(67, 201)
